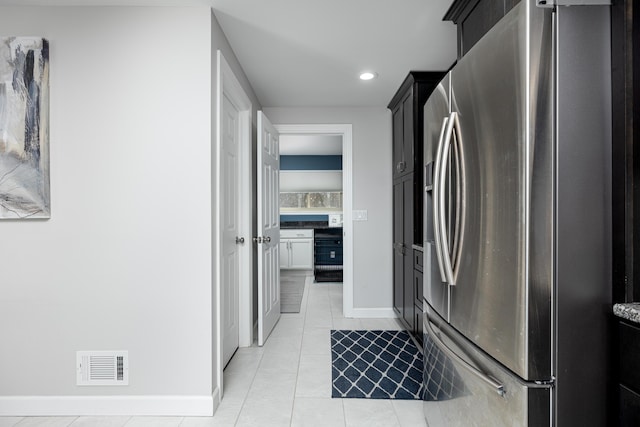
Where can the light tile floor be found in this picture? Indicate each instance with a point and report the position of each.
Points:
(285, 383)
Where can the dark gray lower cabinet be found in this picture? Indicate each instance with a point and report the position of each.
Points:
(403, 295)
(398, 255)
(628, 407)
(628, 373)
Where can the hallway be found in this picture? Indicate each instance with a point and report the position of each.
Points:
(288, 382)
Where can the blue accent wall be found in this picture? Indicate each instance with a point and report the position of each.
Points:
(313, 163)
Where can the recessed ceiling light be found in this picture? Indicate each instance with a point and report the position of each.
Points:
(368, 75)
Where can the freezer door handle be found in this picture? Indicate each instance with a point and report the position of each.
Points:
(436, 201)
(461, 184)
(442, 215)
(452, 144)
(490, 381)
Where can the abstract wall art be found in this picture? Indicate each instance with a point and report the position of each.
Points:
(24, 128)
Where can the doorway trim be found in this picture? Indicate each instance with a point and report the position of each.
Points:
(345, 130)
(227, 84)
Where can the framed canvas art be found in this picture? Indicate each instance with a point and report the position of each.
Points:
(24, 128)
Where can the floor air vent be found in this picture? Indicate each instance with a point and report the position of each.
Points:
(102, 367)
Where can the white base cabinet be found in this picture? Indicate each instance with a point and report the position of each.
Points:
(296, 249)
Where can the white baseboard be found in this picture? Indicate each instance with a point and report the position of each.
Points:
(23, 406)
(373, 313)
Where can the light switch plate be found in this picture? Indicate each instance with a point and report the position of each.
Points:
(360, 215)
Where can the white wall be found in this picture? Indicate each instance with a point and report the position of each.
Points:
(372, 191)
(125, 262)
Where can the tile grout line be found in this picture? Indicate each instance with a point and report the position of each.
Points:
(23, 419)
(344, 412)
(307, 290)
(244, 398)
(395, 412)
(333, 327)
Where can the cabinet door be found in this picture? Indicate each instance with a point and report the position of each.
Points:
(418, 331)
(407, 228)
(398, 258)
(417, 307)
(284, 254)
(301, 251)
(398, 142)
(481, 19)
(407, 133)
(417, 287)
(628, 350)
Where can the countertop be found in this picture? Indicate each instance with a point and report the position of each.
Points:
(629, 311)
(304, 224)
(318, 226)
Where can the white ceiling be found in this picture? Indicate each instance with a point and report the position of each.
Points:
(309, 145)
(309, 52)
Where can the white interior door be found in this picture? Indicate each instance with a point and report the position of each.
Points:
(230, 261)
(268, 227)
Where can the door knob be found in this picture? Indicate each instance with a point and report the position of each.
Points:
(263, 239)
(239, 240)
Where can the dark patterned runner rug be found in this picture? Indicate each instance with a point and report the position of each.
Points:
(291, 290)
(375, 365)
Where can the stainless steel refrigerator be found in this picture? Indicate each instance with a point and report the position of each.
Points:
(517, 225)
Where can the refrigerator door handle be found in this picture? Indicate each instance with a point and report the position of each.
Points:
(436, 204)
(461, 184)
(442, 219)
(499, 388)
(452, 142)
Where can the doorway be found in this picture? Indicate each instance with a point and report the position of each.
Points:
(343, 132)
(310, 215)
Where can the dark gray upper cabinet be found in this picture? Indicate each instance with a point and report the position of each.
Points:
(407, 107)
(474, 18)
